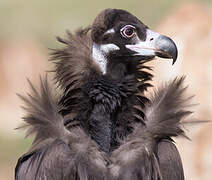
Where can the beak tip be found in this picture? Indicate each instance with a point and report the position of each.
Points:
(173, 62)
(175, 55)
(167, 48)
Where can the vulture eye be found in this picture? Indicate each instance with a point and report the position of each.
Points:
(128, 31)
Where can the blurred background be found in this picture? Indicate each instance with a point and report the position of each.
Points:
(28, 29)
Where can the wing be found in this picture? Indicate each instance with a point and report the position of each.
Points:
(56, 153)
(79, 160)
(169, 161)
(53, 161)
(59, 161)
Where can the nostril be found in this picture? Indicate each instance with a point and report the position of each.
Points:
(151, 39)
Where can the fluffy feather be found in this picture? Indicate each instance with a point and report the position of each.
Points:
(169, 106)
(73, 64)
(42, 117)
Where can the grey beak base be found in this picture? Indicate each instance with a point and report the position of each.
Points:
(166, 48)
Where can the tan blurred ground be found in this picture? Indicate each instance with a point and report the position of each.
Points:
(190, 25)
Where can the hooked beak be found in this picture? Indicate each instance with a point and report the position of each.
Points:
(155, 45)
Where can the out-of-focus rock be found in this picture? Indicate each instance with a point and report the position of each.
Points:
(19, 59)
(190, 26)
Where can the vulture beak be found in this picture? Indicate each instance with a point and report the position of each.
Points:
(155, 45)
(166, 48)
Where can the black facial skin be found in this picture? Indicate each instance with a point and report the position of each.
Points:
(124, 60)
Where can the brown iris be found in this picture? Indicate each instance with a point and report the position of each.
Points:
(128, 31)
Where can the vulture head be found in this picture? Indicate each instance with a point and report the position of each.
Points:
(121, 38)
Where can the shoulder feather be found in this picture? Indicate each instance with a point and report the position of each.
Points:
(42, 118)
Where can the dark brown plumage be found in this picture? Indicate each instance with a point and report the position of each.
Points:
(101, 125)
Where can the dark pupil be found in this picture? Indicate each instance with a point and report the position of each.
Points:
(129, 31)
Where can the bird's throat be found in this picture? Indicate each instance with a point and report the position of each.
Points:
(100, 127)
